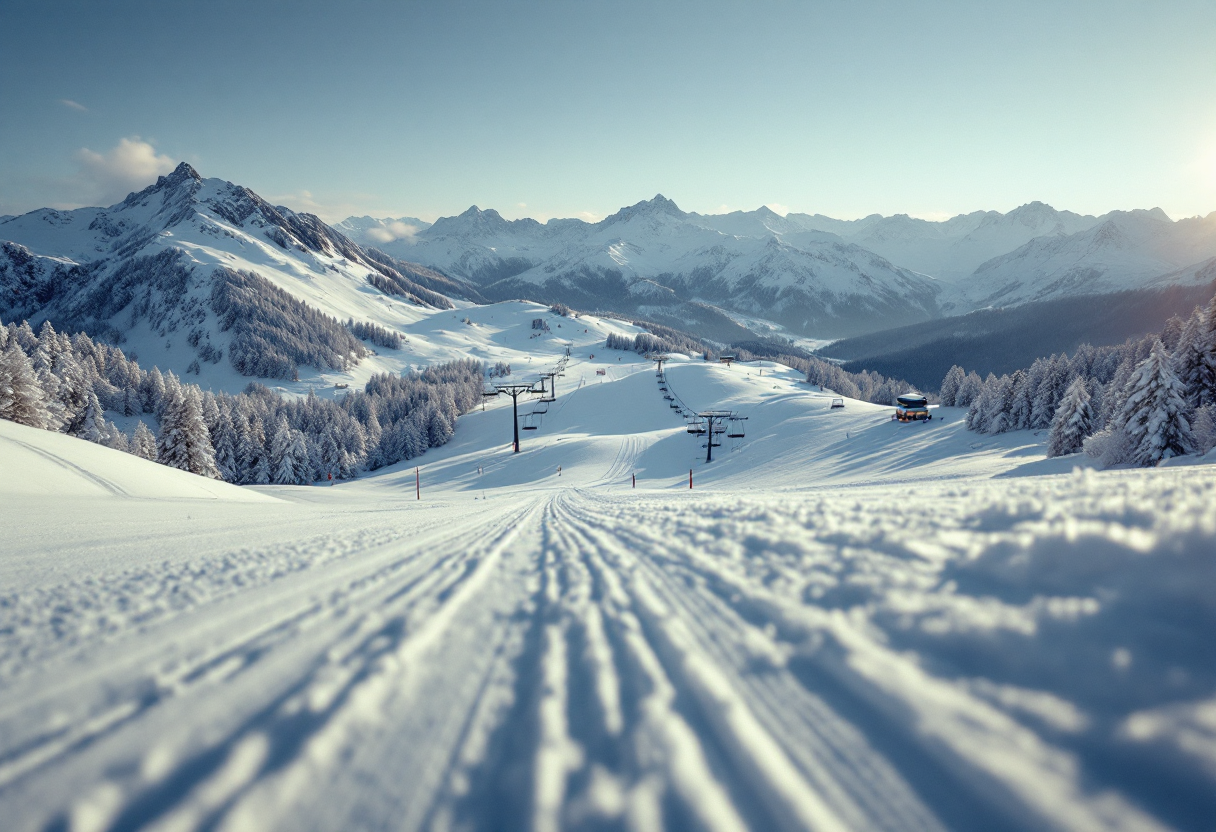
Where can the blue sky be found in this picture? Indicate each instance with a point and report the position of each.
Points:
(577, 108)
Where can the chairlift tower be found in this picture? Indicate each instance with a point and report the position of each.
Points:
(658, 358)
(715, 423)
(514, 391)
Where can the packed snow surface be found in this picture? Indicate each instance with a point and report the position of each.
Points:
(847, 623)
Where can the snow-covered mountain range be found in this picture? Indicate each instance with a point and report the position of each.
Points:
(656, 260)
(194, 269)
(814, 275)
(1122, 250)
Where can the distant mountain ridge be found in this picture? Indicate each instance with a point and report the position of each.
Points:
(655, 260)
(814, 275)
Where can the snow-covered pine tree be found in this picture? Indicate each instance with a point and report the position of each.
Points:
(46, 354)
(1020, 406)
(288, 455)
(1154, 415)
(1073, 421)
(1203, 428)
(1049, 391)
(143, 443)
(1206, 382)
(1171, 333)
(968, 389)
(1189, 360)
(130, 401)
(950, 384)
(224, 441)
(331, 455)
(152, 390)
(92, 422)
(183, 441)
(996, 420)
(202, 453)
(211, 411)
(21, 397)
(982, 405)
(116, 439)
(173, 387)
(254, 464)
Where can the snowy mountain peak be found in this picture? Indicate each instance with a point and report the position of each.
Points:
(659, 207)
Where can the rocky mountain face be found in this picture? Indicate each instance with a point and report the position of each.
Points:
(175, 260)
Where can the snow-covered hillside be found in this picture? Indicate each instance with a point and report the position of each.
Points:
(847, 623)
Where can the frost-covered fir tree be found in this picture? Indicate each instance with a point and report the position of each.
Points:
(224, 441)
(21, 397)
(331, 456)
(1020, 405)
(1189, 359)
(1049, 391)
(1203, 428)
(184, 442)
(983, 405)
(130, 401)
(91, 425)
(950, 384)
(254, 464)
(289, 464)
(1154, 415)
(116, 439)
(1205, 383)
(968, 389)
(143, 443)
(152, 391)
(1073, 421)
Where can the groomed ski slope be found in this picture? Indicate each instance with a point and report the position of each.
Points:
(846, 624)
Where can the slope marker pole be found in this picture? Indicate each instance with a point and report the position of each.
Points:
(417, 483)
(690, 479)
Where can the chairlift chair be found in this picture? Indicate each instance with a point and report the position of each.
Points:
(531, 421)
(735, 428)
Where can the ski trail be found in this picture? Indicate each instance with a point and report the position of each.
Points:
(67, 465)
(625, 462)
(701, 611)
(326, 654)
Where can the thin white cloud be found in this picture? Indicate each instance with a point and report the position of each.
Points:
(395, 230)
(73, 105)
(129, 166)
(778, 208)
(589, 216)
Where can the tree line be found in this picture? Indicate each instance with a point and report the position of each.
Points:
(1139, 402)
(68, 384)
